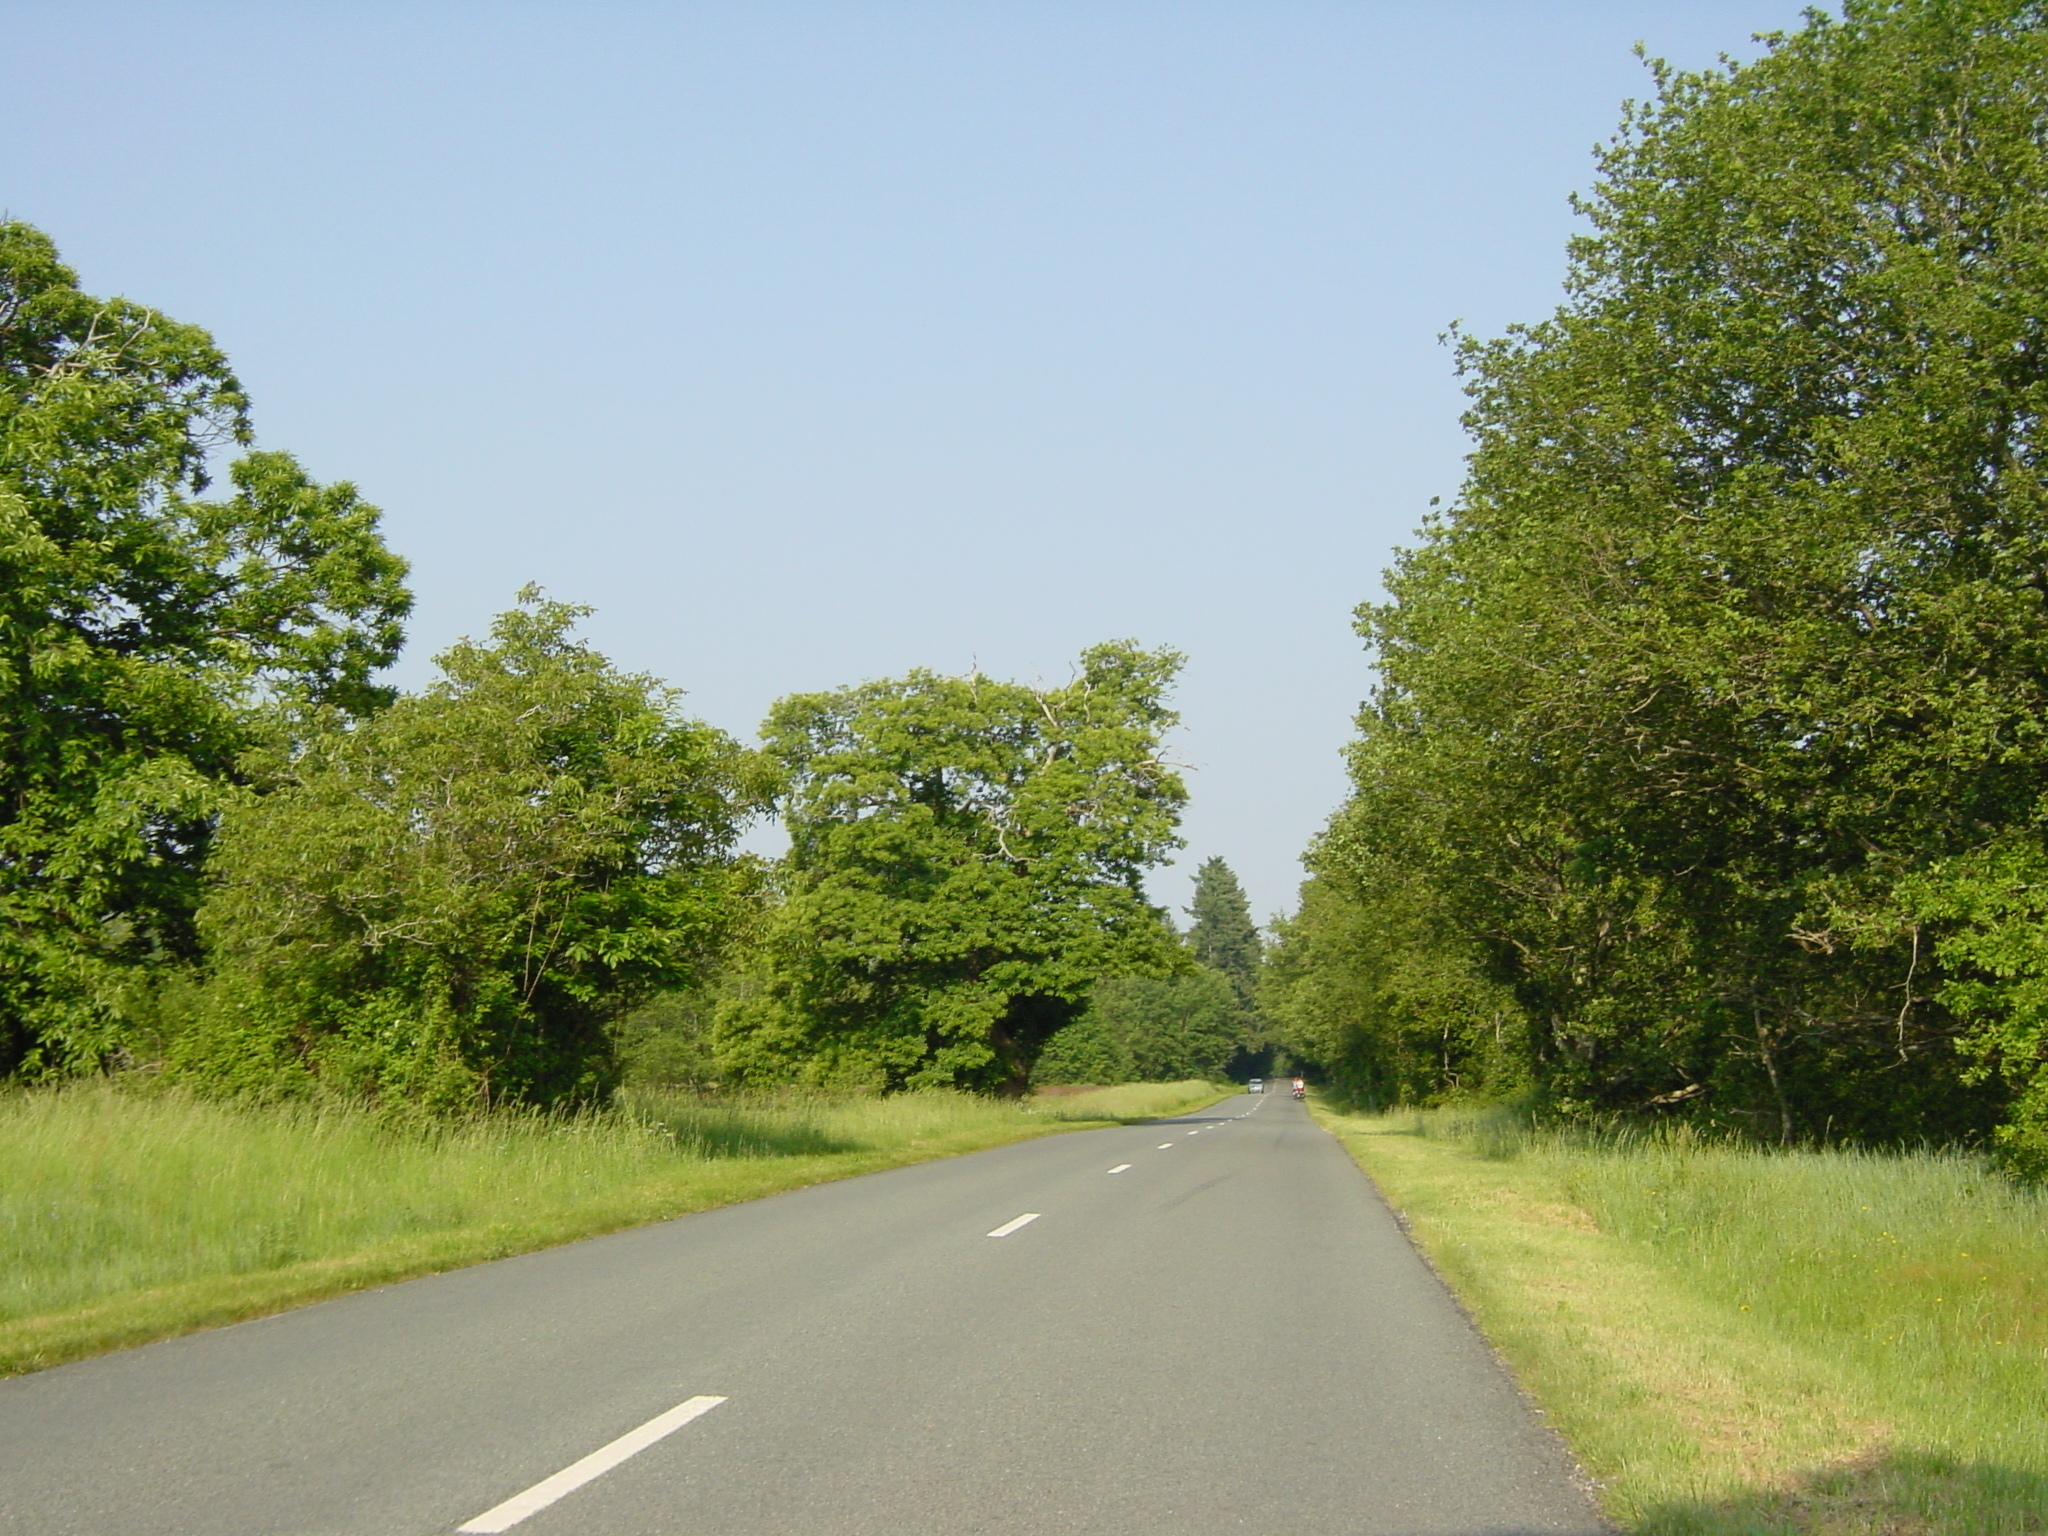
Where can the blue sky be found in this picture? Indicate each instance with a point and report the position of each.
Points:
(811, 342)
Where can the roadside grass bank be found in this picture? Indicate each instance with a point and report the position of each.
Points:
(127, 1217)
(1738, 1340)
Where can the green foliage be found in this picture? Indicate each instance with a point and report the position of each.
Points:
(1224, 939)
(1223, 935)
(1088, 1050)
(1363, 987)
(1734, 648)
(1989, 911)
(1188, 1025)
(138, 625)
(1152, 1029)
(667, 1042)
(447, 904)
(965, 861)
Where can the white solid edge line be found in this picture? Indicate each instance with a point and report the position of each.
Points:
(504, 1516)
(1120, 1167)
(1010, 1226)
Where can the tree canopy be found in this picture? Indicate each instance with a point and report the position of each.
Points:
(140, 626)
(1222, 934)
(966, 858)
(1160, 1029)
(225, 844)
(1709, 725)
(448, 903)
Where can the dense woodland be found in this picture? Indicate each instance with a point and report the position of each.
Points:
(231, 860)
(1706, 772)
(1705, 775)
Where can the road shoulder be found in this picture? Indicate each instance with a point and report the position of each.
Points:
(1686, 1415)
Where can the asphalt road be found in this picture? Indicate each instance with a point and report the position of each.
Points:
(1231, 1334)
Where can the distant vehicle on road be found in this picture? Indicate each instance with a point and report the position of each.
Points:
(1256, 1085)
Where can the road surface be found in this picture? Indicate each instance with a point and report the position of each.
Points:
(1209, 1324)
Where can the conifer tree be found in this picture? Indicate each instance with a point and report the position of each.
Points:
(1224, 937)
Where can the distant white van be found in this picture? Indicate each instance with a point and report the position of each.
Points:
(1256, 1085)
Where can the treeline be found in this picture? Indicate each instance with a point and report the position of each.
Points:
(230, 857)
(1707, 769)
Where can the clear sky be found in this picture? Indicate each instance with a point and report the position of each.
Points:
(811, 342)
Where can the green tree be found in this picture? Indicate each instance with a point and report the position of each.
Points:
(966, 859)
(1734, 646)
(1223, 935)
(449, 903)
(666, 1042)
(1988, 922)
(1172, 1027)
(1366, 984)
(139, 626)
(1157, 1029)
(1086, 1051)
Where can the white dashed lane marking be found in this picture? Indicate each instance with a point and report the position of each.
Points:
(1010, 1226)
(503, 1517)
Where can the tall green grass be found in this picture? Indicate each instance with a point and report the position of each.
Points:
(1922, 1263)
(786, 1125)
(126, 1215)
(1900, 1297)
(1923, 1277)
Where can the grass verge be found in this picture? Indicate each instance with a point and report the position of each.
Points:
(1745, 1341)
(131, 1217)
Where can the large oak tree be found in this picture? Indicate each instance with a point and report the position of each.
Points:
(141, 624)
(966, 858)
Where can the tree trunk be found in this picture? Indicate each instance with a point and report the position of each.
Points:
(1770, 1060)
